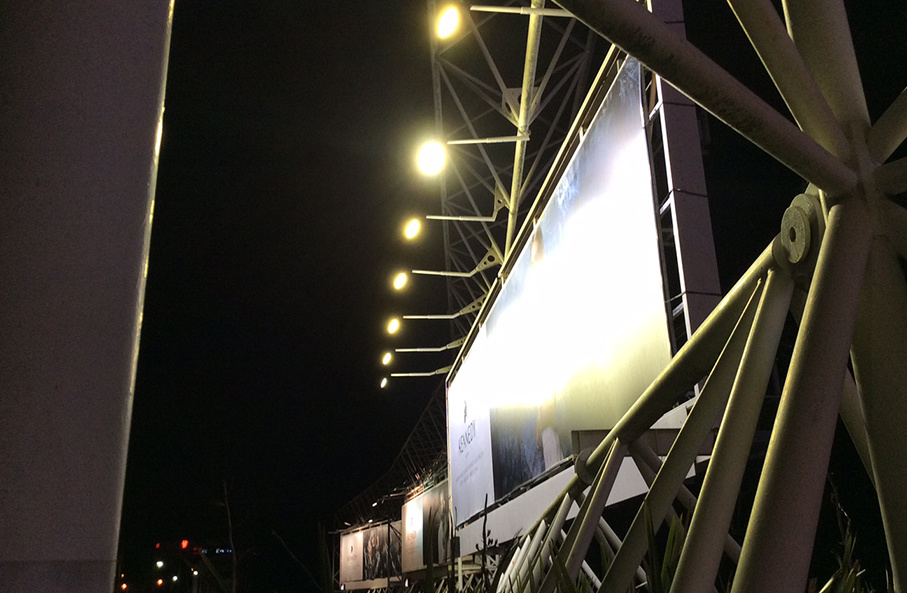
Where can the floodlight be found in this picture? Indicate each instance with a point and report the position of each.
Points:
(412, 228)
(432, 157)
(393, 326)
(448, 21)
(400, 280)
(386, 359)
(383, 382)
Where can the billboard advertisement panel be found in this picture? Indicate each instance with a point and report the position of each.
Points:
(370, 554)
(351, 557)
(579, 328)
(426, 529)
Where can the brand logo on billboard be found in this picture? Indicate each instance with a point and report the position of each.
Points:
(468, 436)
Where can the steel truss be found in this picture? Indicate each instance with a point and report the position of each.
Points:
(504, 122)
(836, 265)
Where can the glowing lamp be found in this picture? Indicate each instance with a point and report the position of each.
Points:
(432, 157)
(393, 326)
(412, 228)
(448, 21)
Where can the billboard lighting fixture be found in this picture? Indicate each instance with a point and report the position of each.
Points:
(448, 22)
(383, 382)
(411, 228)
(400, 280)
(386, 359)
(393, 325)
(431, 158)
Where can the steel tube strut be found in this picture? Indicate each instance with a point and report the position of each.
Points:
(879, 351)
(631, 27)
(642, 452)
(820, 30)
(702, 418)
(889, 131)
(519, 153)
(580, 535)
(705, 541)
(790, 74)
(779, 540)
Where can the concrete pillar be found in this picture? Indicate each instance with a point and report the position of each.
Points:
(81, 102)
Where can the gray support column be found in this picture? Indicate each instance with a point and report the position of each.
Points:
(81, 104)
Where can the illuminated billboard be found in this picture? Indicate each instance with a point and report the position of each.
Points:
(428, 513)
(369, 555)
(579, 328)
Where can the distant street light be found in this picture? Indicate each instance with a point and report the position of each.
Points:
(448, 21)
(159, 564)
(393, 326)
(432, 157)
(412, 228)
(400, 280)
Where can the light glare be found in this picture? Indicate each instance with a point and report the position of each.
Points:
(448, 22)
(383, 382)
(431, 158)
(393, 326)
(412, 228)
(400, 280)
(386, 359)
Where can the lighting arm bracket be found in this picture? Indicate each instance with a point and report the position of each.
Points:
(492, 258)
(441, 371)
(455, 344)
(470, 308)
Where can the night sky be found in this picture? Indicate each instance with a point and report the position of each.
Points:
(286, 173)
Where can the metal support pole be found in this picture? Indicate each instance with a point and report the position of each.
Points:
(879, 354)
(778, 546)
(708, 530)
(702, 418)
(519, 153)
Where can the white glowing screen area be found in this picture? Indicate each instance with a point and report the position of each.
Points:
(579, 328)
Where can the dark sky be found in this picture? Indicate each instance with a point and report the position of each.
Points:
(286, 171)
